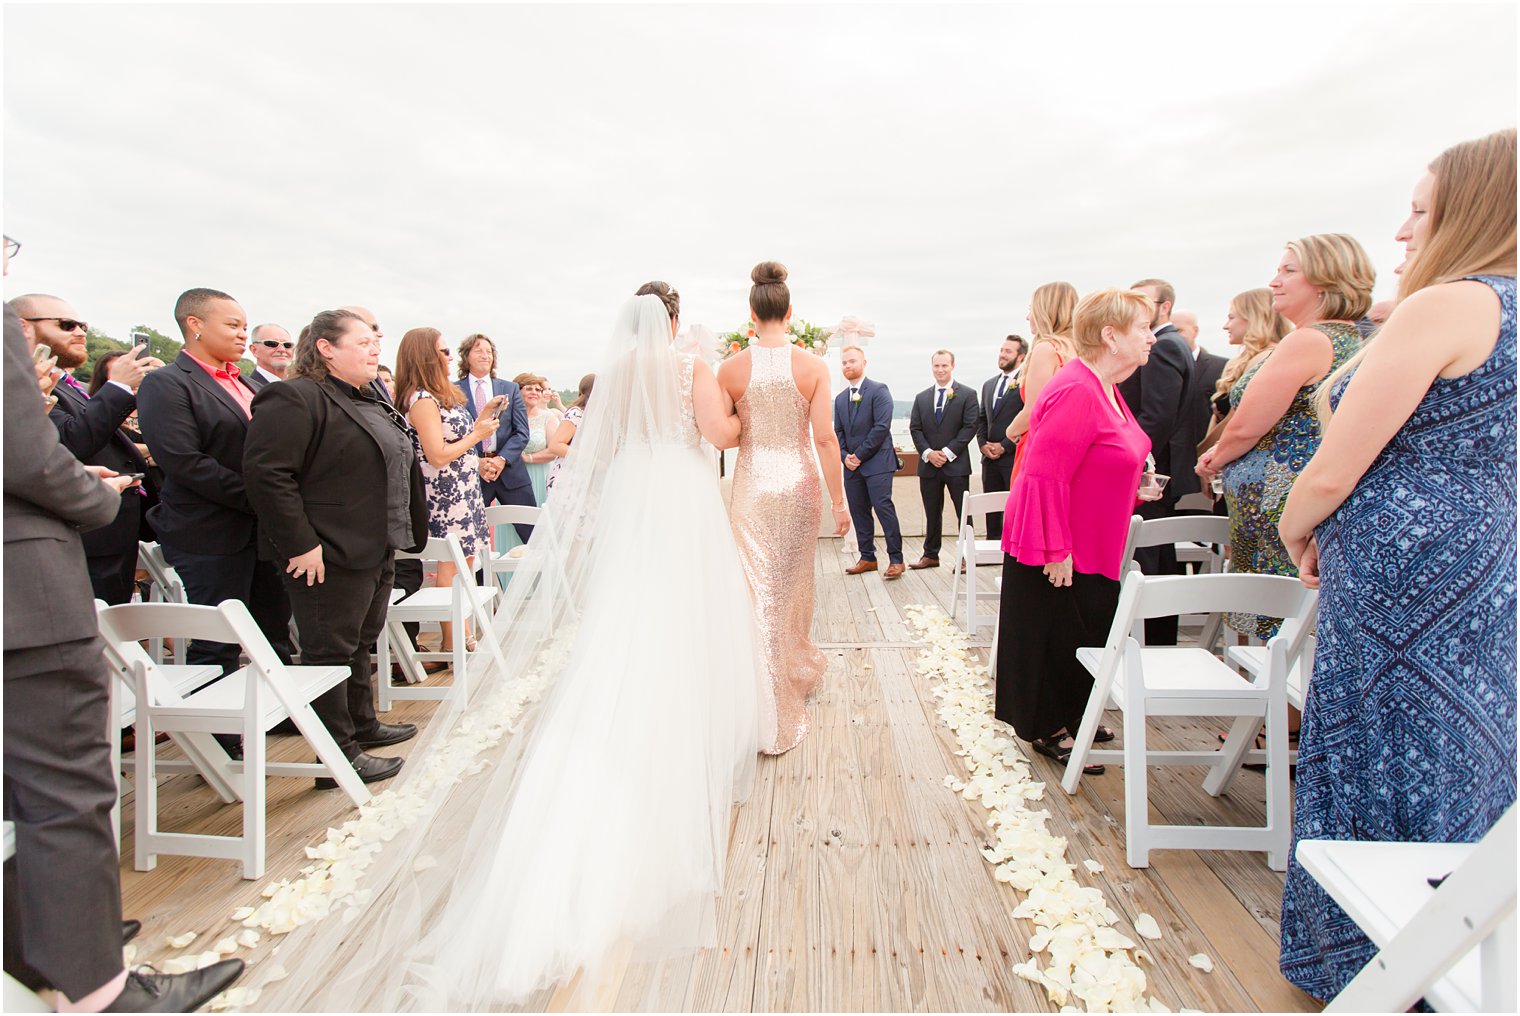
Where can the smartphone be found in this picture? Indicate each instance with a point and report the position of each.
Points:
(138, 477)
(140, 339)
(496, 406)
(41, 353)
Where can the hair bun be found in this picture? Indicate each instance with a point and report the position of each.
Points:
(768, 273)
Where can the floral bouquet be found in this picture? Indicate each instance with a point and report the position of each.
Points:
(813, 338)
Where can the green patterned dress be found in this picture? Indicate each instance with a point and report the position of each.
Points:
(1256, 485)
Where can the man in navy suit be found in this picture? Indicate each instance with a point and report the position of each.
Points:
(863, 424)
(503, 477)
(943, 425)
(90, 428)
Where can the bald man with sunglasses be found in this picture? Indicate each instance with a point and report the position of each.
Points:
(272, 350)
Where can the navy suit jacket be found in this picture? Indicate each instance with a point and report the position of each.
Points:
(864, 428)
(91, 429)
(512, 436)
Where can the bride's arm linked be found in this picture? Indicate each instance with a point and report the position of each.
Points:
(715, 414)
(821, 416)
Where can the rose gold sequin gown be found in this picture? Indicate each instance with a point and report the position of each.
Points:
(774, 513)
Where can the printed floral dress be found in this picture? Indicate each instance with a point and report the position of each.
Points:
(455, 504)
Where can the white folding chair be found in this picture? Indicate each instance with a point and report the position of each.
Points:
(438, 604)
(1200, 539)
(17, 996)
(247, 702)
(1453, 944)
(164, 586)
(1188, 681)
(973, 552)
(502, 562)
(1252, 662)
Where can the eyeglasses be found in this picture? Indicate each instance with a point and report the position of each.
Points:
(66, 324)
(276, 344)
(446, 353)
(12, 247)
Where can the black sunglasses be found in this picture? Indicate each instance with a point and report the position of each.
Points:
(67, 324)
(275, 344)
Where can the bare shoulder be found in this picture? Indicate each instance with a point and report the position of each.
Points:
(733, 374)
(1456, 324)
(809, 372)
(1303, 340)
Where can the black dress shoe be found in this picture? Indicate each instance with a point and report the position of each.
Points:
(371, 769)
(147, 990)
(129, 930)
(387, 733)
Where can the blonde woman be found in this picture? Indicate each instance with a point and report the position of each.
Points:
(1405, 518)
(1052, 310)
(1324, 282)
(1256, 327)
(542, 423)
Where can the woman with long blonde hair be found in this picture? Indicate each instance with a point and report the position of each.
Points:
(1405, 519)
(1256, 327)
(1052, 312)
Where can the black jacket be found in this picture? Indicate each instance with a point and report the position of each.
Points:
(316, 474)
(91, 429)
(955, 431)
(1158, 394)
(195, 431)
(1206, 371)
(992, 428)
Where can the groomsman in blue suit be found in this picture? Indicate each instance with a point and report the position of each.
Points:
(503, 477)
(863, 423)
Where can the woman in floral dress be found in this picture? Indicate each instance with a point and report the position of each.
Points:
(446, 440)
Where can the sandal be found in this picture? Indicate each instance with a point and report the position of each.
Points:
(1261, 767)
(1050, 747)
(1103, 736)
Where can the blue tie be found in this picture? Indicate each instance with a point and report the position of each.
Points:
(939, 407)
(1001, 388)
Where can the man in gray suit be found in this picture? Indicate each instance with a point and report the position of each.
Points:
(63, 923)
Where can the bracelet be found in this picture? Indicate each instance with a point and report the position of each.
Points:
(837, 507)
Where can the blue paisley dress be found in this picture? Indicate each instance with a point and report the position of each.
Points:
(1409, 724)
(1256, 485)
(455, 504)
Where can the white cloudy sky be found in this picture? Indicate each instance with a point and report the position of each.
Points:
(520, 169)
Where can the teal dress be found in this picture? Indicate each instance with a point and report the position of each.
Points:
(538, 440)
(1256, 485)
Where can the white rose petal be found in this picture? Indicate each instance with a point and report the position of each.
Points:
(178, 965)
(226, 947)
(1092, 866)
(1146, 926)
(249, 939)
(1202, 962)
(242, 913)
(207, 958)
(180, 941)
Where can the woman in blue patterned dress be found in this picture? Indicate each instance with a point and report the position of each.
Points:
(1406, 519)
(1323, 284)
(446, 440)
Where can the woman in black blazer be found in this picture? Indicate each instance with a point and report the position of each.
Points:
(330, 471)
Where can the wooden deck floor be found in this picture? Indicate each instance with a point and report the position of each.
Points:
(856, 881)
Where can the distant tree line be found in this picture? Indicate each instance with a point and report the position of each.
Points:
(98, 343)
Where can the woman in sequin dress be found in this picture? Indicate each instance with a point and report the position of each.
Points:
(1323, 285)
(1405, 518)
(779, 391)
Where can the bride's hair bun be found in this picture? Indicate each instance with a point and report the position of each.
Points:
(768, 273)
(769, 298)
(667, 294)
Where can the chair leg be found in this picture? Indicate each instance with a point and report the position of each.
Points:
(113, 735)
(1137, 818)
(1232, 754)
(461, 660)
(971, 618)
(1082, 742)
(1279, 796)
(255, 790)
(145, 831)
(997, 631)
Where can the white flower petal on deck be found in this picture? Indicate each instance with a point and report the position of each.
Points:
(249, 939)
(207, 958)
(242, 913)
(1202, 962)
(226, 947)
(180, 941)
(1092, 866)
(1146, 926)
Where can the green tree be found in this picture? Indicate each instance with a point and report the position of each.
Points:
(160, 345)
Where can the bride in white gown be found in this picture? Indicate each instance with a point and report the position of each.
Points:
(598, 834)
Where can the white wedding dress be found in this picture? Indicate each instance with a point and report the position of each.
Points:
(598, 834)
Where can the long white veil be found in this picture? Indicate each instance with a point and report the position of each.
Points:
(574, 813)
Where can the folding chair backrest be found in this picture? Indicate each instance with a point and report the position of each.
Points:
(436, 549)
(1270, 595)
(512, 514)
(1181, 529)
(127, 624)
(979, 505)
(1127, 561)
(167, 583)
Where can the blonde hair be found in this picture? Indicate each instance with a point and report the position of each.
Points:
(1265, 328)
(1337, 264)
(1106, 308)
(1471, 227)
(1051, 308)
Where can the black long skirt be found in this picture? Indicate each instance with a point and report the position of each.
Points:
(1041, 688)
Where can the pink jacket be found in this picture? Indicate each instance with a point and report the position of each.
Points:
(1075, 491)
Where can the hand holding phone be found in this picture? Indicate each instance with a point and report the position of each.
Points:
(494, 407)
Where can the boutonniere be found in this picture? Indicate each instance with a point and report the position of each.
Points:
(950, 395)
(855, 395)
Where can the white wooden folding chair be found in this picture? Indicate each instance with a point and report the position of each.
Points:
(1188, 681)
(17, 996)
(247, 702)
(453, 603)
(502, 561)
(1453, 945)
(164, 586)
(1200, 539)
(973, 552)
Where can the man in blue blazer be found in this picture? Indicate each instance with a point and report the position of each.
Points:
(503, 477)
(863, 424)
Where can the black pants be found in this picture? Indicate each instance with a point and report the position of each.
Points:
(211, 578)
(409, 579)
(339, 619)
(865, 493)
(112, 578)
(62, 890)
(1162, 560)
(995, 478)
(497, 492)
(1041, 688)
(932, 489)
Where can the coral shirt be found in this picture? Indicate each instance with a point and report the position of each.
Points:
(227, 376)
(1075, 491)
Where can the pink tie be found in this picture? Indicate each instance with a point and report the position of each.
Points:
(480, 407)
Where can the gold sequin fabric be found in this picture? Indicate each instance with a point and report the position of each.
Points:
(774, 513)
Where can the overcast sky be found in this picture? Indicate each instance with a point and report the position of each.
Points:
(519, 170)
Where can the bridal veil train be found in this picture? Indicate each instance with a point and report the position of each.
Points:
(594, 824)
